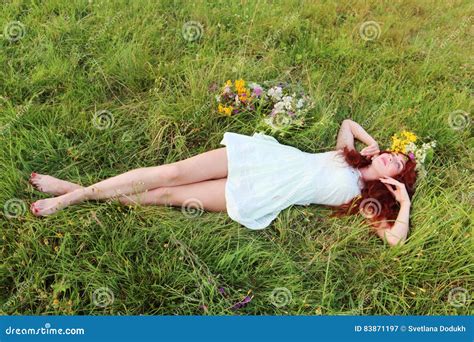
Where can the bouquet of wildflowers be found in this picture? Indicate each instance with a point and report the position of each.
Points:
(281, 106)
(235, 97)
(422, 154)
(286, 107)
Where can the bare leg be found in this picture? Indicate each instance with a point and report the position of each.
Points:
(55, 186)
(206, 195)
(204, 166)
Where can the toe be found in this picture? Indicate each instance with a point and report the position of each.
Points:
(33, 208)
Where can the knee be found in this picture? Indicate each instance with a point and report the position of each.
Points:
(171, 173)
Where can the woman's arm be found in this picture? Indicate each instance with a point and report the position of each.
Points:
(345, 137)
(399, 231)
(350, 130)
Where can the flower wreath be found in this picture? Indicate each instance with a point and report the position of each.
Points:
(421, 154)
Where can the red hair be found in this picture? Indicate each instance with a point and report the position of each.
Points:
(376, 202)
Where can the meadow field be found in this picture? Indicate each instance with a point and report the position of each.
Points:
(91, 89)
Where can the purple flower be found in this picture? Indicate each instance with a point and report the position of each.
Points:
(257, 91)
(411, 155)
(242, 303)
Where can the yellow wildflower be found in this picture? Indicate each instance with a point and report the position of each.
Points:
(399, 142)
(55, 301)
(409, 136)
(220, 108)
(240, 86)
(244, 95)
(228, 111)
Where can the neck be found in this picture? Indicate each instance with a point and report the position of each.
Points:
(368, 173)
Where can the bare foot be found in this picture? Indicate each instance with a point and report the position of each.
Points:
(52, 185)
(48, 206)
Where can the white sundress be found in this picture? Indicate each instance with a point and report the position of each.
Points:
(264, 177)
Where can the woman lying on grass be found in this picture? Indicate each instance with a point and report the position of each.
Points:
(254, 177)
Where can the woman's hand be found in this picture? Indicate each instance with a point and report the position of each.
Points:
(371, 150)
(400, 193)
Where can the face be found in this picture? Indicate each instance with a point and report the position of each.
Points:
(389, 164)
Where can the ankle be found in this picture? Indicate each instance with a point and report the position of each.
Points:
(75, 196)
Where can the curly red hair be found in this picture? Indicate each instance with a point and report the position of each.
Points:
(375, 197)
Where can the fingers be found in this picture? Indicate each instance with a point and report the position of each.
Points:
(386, 179)
(390, 180)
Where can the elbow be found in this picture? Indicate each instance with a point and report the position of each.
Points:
(395, 241)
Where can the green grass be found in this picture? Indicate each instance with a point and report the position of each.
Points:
(130, 58)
